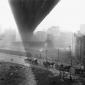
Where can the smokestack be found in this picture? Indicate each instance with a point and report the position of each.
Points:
(28, 15)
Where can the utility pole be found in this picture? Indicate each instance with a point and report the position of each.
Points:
(58, 56)
(70, 62)
(40, 55)
(46, 54)
(70, 56)
(80, 51)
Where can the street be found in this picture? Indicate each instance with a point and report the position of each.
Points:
(13, 59)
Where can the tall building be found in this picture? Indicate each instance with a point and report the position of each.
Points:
(82, 28)
(80, 48)
(10, 35)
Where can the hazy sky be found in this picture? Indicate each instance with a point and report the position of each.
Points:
(6, 16)
(67, 14)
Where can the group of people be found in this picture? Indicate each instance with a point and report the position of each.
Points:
(60, 67)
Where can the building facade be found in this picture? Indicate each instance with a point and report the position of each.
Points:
(80, 48)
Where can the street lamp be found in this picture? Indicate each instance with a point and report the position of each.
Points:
(41, 52)
(46, 50)
(58, 56)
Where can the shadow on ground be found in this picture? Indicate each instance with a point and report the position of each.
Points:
(15, 74)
